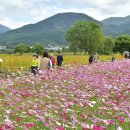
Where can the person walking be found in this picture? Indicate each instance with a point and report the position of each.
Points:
(59, 59)
(45, 62)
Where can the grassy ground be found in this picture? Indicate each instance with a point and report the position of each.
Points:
(13, 62)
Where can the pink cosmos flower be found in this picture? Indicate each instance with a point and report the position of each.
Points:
(84, 126)
(19, 119)
(96, 127)
(60, 128)
(29, 125)
(1, 128)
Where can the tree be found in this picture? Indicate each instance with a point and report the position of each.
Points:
(108, 45)
(122, 44)
(73, 46)
(22, 48)
(88, 35)
(65, 49)
(38, 48)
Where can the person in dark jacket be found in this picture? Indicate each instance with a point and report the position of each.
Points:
(113, 59)
(129, 55)
(59, 59)
(91, 59)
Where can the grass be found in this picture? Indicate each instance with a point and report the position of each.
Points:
(12, 61)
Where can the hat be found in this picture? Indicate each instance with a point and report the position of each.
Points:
(35, 54)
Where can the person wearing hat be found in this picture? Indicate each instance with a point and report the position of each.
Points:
(59, 59)
(34, 64)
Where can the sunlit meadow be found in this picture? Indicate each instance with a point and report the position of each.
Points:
(77, 96)
(12, 61)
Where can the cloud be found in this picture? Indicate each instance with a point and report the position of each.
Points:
(16, 13)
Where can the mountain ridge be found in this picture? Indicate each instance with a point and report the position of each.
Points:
(116, 20)
(3, 29)
(52, 30)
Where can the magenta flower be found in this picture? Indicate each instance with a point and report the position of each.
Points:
(96, 127)
(60, 128)
(1, 128)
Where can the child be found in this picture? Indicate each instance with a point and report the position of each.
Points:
(34, 64)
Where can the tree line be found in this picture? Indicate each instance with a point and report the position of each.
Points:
(84, 36)
(89, 37)
(24, 48)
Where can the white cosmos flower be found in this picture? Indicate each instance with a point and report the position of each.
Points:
(119, 128)
(58, 123)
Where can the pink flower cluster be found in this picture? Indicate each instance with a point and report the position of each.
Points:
(91, 97)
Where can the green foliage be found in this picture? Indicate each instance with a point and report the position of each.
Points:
(22, 48)
(85, 35)
(109, 44)
(122, 44)
(65, 49)
(38, 48)
(73, 47)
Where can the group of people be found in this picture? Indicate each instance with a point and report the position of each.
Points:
(45, 62)
(127, 56)
(48, 61)
(94, 58)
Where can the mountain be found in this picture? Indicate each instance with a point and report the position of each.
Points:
(48, 31)
(116, 20)
(52, 30)
(116, 26)
(3, 29)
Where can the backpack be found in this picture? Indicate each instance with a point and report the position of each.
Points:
(49, 64)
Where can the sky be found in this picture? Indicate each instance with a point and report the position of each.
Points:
(17, 13)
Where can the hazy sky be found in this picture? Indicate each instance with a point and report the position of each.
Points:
(16, 13)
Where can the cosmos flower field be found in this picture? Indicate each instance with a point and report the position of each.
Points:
(79, 97)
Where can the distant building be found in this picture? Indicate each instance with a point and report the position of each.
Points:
(2, 47)
(51, 48)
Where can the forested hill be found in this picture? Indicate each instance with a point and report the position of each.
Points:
(117, 20)
(3, 29)
(116, 26)
(52, 30)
